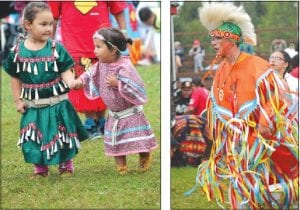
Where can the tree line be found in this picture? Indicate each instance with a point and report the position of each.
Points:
(271, 20)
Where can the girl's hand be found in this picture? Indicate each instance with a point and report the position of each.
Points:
(111, 81)
(20, 106)
(76, 84)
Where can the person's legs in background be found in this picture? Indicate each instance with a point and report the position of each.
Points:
(195, 64)
(94, 123)
(94, 110)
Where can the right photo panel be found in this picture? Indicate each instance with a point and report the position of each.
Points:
(234, 105)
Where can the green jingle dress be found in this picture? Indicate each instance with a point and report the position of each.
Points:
(49, 134)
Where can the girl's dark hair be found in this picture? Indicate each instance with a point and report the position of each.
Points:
(31, 9)
(115, 37)
(145, 13)
(287, 59)
(29, 13)
(295, 61)
(197, 82)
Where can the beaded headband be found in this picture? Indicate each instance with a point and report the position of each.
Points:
(101, 37)
(224, 34)
(228, 31)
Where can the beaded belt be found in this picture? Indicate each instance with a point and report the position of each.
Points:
(42, 102)
(122, 114)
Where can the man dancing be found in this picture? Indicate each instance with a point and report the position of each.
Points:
(255, 148)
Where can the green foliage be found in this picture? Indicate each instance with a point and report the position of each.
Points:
(279, 18)
(188, 21)
(95, 184)
(271, 20)
(189, 11)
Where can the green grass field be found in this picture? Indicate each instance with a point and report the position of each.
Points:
(182, 180)
(95, 184)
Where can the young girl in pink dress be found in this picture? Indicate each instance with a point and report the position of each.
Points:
(115, 79)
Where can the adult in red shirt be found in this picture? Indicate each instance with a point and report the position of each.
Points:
(79, 21)
(198, 98)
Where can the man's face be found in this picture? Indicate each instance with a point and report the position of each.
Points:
(221, 45)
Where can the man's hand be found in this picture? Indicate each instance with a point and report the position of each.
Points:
(208, 133)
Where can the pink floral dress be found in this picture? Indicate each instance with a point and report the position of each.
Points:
(130, 133)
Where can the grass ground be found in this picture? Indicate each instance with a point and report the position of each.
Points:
(95, 184)
(182, 180)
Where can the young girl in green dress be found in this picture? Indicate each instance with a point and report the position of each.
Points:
(40, 73)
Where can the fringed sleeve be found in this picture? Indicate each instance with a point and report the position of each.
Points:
(285, 127)
(131, 86)
(275, 109)
(91, 80)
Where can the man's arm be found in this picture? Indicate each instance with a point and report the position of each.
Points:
(120, 18)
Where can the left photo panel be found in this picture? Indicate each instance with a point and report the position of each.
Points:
(80, 105)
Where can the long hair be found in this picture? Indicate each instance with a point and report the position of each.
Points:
(287, 59)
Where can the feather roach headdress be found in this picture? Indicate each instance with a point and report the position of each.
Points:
(228, 21)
